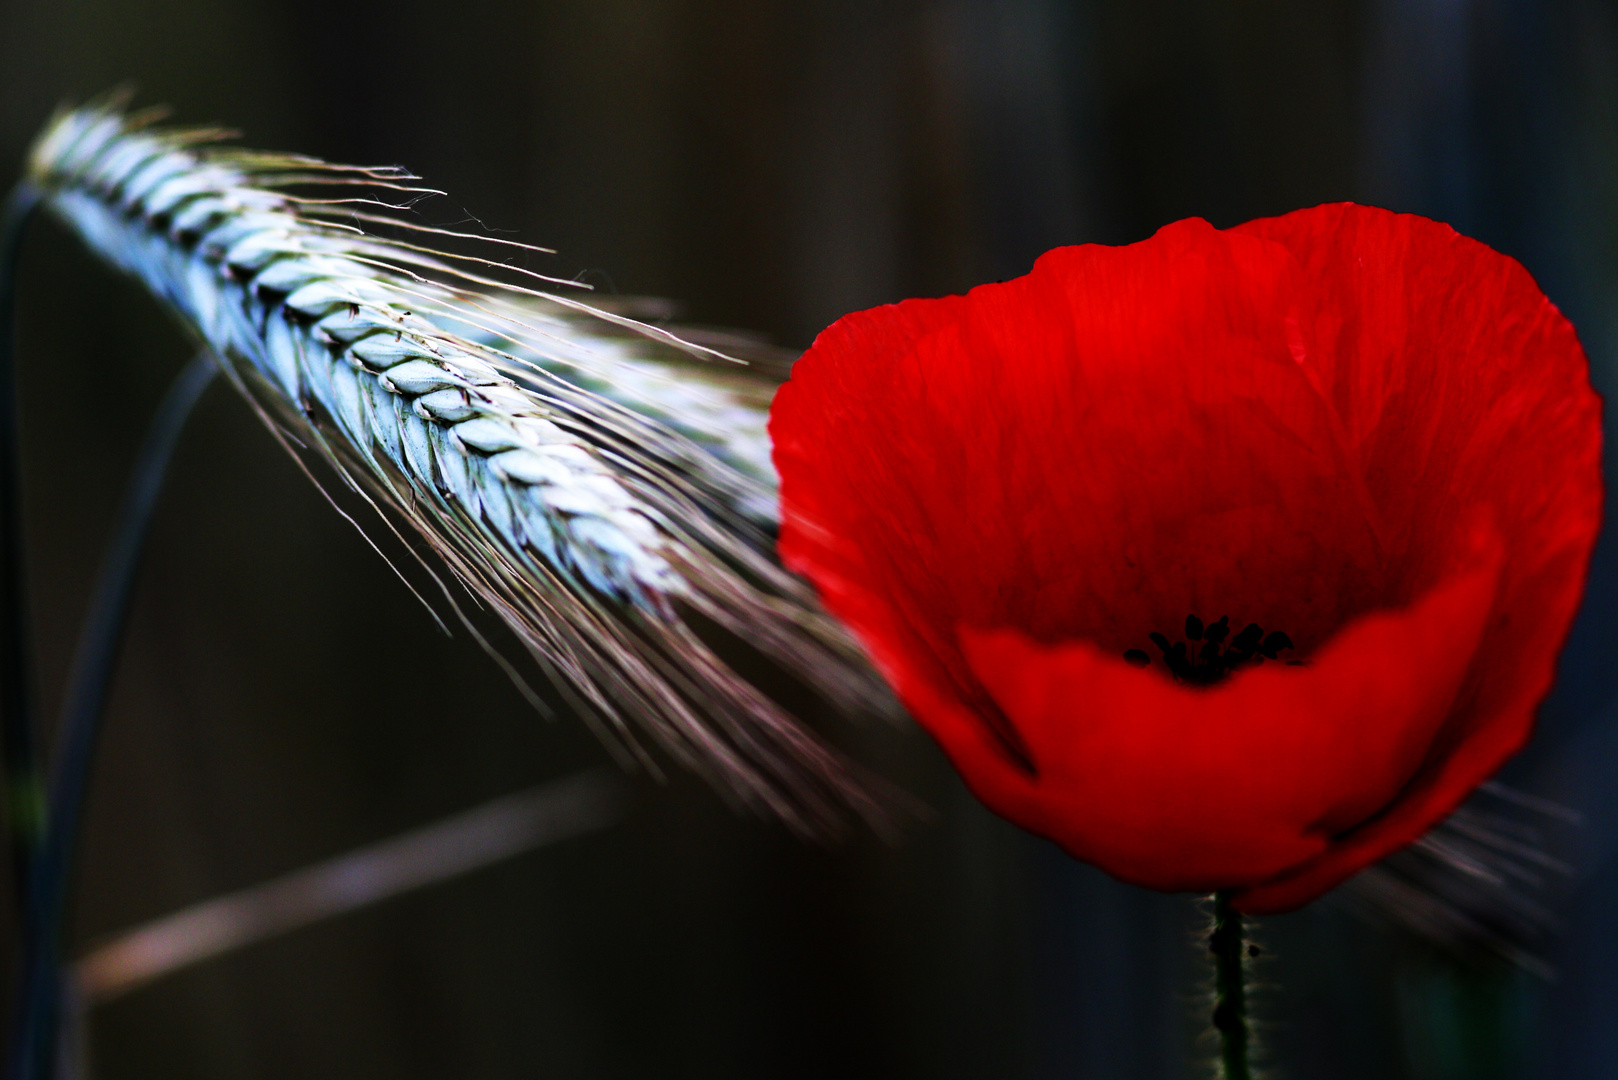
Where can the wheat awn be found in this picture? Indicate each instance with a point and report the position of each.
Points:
(595, 480)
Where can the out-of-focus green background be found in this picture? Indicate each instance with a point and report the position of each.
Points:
(769, 165)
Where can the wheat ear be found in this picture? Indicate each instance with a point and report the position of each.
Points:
(574, 469)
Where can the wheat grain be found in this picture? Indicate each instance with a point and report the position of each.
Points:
(574, 469)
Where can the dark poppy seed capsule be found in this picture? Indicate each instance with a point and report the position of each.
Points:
(1274, 643)
(1214, 661)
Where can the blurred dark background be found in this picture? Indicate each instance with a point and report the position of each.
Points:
(769, 165)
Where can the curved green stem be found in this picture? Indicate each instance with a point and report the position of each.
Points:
(43, 838)
(34, 1048)
(1228, 943)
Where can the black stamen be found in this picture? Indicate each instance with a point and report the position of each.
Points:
(1274, 643)
(1215, 660)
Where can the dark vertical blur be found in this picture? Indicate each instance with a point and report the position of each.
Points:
(769, 165)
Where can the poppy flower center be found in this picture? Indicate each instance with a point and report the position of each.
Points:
(1219, 655)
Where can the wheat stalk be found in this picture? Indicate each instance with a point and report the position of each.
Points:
(592, 479)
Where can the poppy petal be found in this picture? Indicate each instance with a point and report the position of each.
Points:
(1178, 788)
(1458, 383)
(1298, 423)
(1156, 449)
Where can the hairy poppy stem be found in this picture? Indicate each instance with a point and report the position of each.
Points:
(1228, 943)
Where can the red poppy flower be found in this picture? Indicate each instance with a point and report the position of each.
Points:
(1365, 440)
